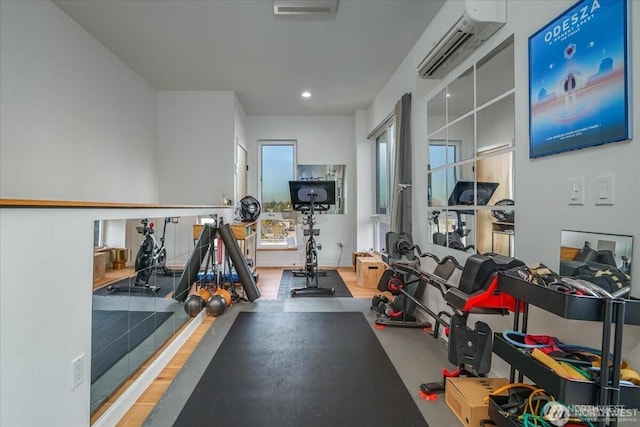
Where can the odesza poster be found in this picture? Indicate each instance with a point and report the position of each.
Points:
(578, 79)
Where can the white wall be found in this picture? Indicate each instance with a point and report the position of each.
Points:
(196, 148)
(77, 123)
(405, 80)
(541, 184)
(320, 140)
(240, 138)
(45, 311)
(538, 229)
(365, 200)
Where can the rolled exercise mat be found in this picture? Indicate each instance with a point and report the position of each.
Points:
(244, 273)
(190, 273)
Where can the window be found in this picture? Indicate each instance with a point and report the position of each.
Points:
(382, 173)
(98, 235)
(470, 129)
(384, 137)
(277, 168)
(439, 152)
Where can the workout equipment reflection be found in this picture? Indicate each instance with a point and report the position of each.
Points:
(309, 197)
(465, 193)
(151, 256)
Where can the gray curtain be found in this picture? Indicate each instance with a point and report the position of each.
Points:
(402, 181)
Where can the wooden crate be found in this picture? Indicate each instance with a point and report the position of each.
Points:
(355, 255)
(369, 269)
(99, 265)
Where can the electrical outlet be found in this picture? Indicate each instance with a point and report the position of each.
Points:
(340, 244)
(319, 246)
(77, 371)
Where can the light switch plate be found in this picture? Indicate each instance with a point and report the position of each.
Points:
(605, 190)
(576, 191)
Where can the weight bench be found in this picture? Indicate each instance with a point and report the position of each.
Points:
(406, 281)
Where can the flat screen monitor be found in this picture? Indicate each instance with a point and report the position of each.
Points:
(321, 193)
(464, 194)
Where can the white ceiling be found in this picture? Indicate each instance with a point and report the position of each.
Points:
(239, 45)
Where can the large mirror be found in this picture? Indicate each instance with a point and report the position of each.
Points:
(471, 163)
(584, 254)
(134, 313)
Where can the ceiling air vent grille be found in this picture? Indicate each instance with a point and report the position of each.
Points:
(452, 45)
(304, 7)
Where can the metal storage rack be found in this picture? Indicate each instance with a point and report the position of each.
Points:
(612, 313)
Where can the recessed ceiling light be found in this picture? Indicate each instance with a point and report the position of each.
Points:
(306, 94)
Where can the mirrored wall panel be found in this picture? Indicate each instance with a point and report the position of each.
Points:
(589, 253)
(459, 102)
(461, 137)
(471, 162)
(453, 229)
(436, 111)
(495, 73)
(137, 267)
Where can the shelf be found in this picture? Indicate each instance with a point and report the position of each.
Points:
(580, 392)
(242, 230)
(495, 413)
(632, 312)
(576, 392)
(558, 303)
(245, 234)
(564, 305)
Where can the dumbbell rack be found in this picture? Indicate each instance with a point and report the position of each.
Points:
(612, 313)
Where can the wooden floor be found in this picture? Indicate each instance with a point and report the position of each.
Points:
(112, 276)
(268, 283)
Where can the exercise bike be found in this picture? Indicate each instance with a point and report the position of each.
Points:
(150, 256)
(307, 197)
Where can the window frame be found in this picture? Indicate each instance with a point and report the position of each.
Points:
(382, 217)
(98, 234)
(266, 215)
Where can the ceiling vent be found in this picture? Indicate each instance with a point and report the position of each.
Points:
(469, 25)
(305, 7)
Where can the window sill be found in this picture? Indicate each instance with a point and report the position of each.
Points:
(276, 249)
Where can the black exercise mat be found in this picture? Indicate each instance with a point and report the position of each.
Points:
(166, 283)
(331, 280)
(115, 332)
(300, 369)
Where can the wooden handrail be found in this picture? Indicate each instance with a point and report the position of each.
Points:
(36, 203)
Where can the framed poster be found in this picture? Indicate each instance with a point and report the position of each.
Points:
(578, 79)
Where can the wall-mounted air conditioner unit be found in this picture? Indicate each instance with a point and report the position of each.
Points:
(458, 29)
